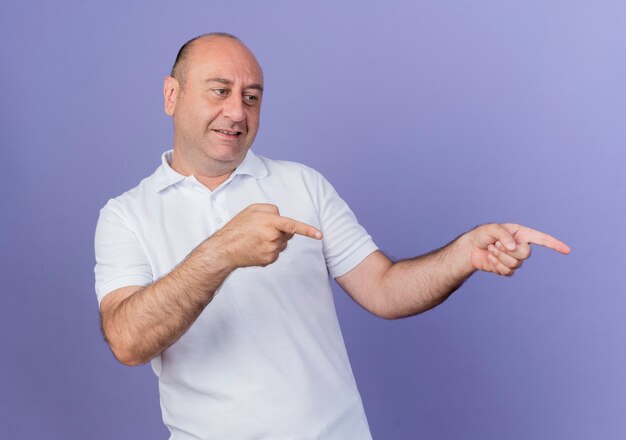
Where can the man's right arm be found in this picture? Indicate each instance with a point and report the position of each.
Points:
(140, 322)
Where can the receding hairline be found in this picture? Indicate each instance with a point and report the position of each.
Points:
(178, 71)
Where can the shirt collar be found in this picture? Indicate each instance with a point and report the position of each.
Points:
(165, 175)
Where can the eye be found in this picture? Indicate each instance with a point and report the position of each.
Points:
(250, 99)
(221, 92)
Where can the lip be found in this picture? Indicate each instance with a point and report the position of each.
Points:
(223, 135)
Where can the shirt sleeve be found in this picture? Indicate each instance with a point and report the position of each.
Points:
(346, 243)
(120, 258)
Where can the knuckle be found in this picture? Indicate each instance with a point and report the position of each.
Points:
(274, 235)
(268, 258)
(527, 252)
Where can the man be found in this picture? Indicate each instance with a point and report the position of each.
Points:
(188, 275)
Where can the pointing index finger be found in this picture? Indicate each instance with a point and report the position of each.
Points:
(528, 235)
(291, 226)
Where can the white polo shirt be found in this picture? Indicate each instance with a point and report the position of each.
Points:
(266, 358)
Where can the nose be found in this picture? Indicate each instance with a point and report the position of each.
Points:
(234, 108)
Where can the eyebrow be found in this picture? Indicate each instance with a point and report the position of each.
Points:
(229, 82)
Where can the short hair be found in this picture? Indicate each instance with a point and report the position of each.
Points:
(183, 53)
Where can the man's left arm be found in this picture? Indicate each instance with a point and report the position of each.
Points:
(408, 287)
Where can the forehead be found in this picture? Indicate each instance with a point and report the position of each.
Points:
(223, 58)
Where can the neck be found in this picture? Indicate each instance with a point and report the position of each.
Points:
(211, 176)
(213, 182)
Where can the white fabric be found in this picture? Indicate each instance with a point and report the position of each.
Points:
(265, 359)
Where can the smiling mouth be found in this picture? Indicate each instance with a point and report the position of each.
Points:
(228, 133)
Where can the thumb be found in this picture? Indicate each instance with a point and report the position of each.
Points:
(490, 234)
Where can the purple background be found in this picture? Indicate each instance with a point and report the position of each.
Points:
(429, 118)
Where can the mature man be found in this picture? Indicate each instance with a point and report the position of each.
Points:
(188, 275)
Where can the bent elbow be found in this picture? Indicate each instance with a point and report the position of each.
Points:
(389, 315)
(392, 311)
(383, 310)
(124, 353)
(127, 359)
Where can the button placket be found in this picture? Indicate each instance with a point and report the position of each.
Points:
(218, 209)
(209, 200)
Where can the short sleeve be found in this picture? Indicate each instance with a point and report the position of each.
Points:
(346, 243)
(120, 258)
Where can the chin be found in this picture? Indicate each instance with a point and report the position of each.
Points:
(230, 154)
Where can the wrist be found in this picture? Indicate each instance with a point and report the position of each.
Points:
(461, 257)
(214, 255)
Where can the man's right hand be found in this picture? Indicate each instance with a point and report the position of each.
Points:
(257, 235)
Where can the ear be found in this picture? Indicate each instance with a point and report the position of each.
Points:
(171, 89)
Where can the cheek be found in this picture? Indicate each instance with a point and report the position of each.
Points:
(253, 120)
(201, 110)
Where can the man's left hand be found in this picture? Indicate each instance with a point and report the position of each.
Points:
(501, 248)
